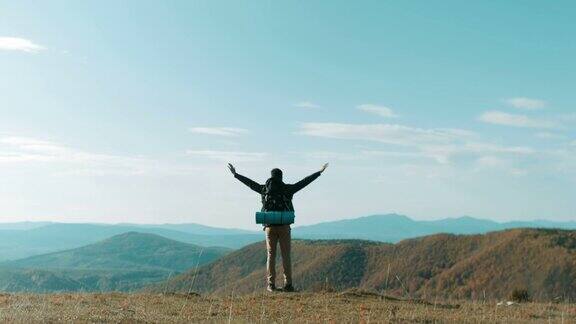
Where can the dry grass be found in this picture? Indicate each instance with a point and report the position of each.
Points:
(350, 307)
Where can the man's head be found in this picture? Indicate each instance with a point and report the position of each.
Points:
(276, 174)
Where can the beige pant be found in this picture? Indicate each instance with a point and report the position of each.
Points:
(275, 234)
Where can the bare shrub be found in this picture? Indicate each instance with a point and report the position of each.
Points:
(520, 295)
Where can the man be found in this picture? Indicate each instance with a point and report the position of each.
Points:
(277, 196)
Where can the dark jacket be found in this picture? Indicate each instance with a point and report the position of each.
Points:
(288, 190)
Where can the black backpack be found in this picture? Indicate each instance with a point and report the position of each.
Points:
(274, 197)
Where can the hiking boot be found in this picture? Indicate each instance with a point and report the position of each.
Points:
(288, 288)
(271, 288)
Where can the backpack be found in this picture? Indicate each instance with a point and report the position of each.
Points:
(274, 197)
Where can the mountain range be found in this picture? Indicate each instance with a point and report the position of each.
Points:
(481, 266)
(489, 265)
(20, 240)
(394, 227)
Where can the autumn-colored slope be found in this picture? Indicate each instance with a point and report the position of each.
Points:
(447, 266)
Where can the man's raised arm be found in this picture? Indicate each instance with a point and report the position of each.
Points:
(247, 181)
(306, 181)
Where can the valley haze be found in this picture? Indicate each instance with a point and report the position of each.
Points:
(19, 240)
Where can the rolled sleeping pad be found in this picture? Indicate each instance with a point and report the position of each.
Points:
(275, 217)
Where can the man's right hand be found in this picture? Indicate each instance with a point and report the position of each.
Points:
(232, 169)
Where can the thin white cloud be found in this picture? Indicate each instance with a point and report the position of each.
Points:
(440, 145)
(385, 133)
(483, 148)
(526, 103)
(228, 156)
(401, 155)
(32, 144)
(17, 150)
(394, 154)
(444, 154)
(307, 105)
(381, 111)
(19, 44)
(328, 156)
(514, 120)
(491, 161)
(219, 131)
(568, 120)
(517, 172)
(550, 136)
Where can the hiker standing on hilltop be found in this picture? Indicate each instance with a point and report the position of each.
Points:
(277, 196)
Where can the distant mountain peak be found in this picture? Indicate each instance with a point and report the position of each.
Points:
(389, 216)
(466, 217)
(137, 236)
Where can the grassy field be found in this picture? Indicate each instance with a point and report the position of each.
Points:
(352, 307)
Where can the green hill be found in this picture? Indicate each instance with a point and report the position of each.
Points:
(128, 251)
(444, 265)
(17, 244)
(123, 262)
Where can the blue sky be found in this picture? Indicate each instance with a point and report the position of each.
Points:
(128, 111)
